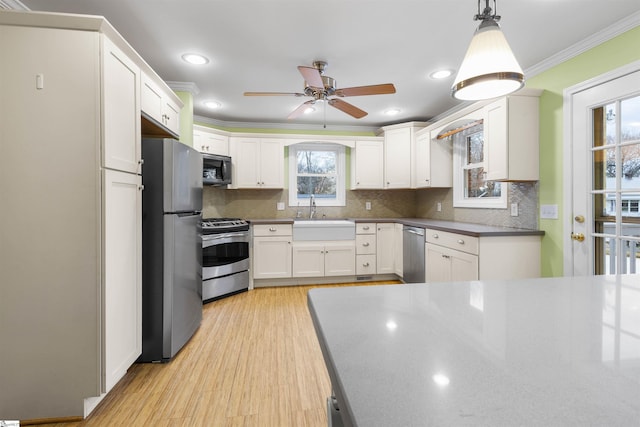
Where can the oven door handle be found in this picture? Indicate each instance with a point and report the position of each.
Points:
(220, 239)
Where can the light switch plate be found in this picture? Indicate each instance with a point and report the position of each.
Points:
(548, 211)
(514, 209)
(367, 205)
(280, 206)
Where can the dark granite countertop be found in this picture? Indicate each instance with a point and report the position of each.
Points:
(468, 229)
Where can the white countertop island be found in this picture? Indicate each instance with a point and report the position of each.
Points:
(534, 352)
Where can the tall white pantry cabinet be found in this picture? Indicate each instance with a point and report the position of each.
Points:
(70, 213)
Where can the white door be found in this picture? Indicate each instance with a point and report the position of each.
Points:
(602, 164)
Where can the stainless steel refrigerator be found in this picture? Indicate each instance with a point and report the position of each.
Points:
(171, 247)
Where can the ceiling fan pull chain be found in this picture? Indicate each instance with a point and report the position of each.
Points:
(324, 125)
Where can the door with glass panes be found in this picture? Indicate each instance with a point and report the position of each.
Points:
(605, 176)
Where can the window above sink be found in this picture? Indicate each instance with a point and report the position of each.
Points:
(316, 170)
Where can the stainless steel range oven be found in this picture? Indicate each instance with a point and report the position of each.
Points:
(225, 257)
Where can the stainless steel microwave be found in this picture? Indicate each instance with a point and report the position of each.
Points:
(216, 169)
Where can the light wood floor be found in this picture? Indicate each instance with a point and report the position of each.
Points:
(254, 362)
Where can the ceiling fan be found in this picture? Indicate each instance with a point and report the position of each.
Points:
(320, 88)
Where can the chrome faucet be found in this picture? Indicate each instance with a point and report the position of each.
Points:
(312, 207)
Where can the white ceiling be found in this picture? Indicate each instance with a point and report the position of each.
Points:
(256, 45)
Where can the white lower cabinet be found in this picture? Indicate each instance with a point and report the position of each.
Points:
(122, 304)
(385, 248)
(320, 259)
(272, 251)
(448, 265)
(457, 257)
(398, 254)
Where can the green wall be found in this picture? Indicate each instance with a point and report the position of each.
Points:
(608, 56)
(186, 118)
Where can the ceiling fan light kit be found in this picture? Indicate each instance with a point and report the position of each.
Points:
(489, 68)
(321, 88)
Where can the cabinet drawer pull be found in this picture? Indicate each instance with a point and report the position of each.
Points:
(366, 264)
(461, 241)
(365, 244)
(446, 256)
(435, 236)
(366, 227)
(273, 229)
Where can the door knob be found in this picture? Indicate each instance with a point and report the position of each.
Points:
(577, 236)
(579, 218)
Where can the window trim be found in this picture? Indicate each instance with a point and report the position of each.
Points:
(460, 200)
(341, 180)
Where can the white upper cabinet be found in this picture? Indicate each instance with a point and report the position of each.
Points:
(397, 158)
(511, 133)
(398, 154)
(432, 161)
(157, 104)
(211, 141)
(257, 162)
(121, 110)
(367, 165)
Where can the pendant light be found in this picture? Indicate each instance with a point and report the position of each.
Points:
(489, 68)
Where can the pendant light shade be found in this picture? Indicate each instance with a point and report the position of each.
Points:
(489, 68)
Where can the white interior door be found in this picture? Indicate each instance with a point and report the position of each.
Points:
(602, 174)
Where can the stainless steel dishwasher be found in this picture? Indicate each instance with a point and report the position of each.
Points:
(413, 254)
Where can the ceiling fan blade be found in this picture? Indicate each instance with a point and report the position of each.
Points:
(300, 110)
(273, 94)
(382, 89)
(345, 107)
(311, 76)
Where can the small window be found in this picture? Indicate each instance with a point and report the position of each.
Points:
(318, 170)
(471, 188)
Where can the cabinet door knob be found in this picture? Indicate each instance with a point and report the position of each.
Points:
(460, 241)
(140, 187)
(365, 244)
(366, 264)
(273, 229)
(366, 227)
(141, 162)
(435, 236)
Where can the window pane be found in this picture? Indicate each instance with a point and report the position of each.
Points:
(604, 169)
(630, 120)
(477, 186)
(319, 186)
(475, 150)
(316, 162)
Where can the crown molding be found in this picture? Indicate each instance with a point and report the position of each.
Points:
(285, 126)
(620, 27)
(183, 86)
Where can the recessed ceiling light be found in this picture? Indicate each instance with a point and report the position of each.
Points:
(392, 111)
(212, 104)
(441, 74)
(194, 58)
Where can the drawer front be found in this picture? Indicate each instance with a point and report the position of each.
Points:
(365, 264)
(365, 244)
(365, 228)
(459, 242)
(272, 230)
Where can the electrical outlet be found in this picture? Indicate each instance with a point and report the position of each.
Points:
(438, 207)
(280, 206)
(514, 209)
(367, 205)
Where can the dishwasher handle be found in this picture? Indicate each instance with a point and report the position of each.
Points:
(414, 230)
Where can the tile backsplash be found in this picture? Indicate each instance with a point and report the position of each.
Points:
(261, 204)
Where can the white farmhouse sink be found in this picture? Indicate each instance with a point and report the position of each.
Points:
(324, 229)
